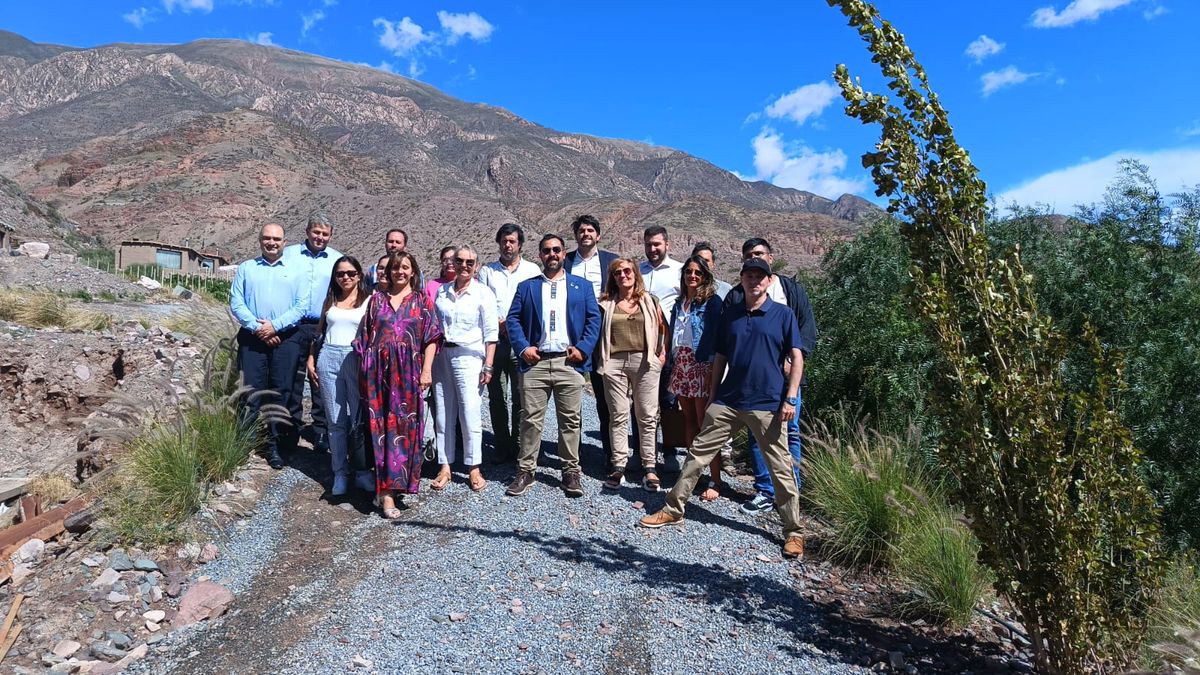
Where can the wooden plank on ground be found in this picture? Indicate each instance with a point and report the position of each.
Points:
(12, 616)
(7, 644)
(45, 526)
(12, 487)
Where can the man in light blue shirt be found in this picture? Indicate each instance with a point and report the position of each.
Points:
(268, 301)
(317, 259)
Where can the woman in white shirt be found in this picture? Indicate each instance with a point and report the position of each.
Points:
(463, 366)
(335, 370)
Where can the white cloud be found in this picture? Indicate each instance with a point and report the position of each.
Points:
(138, 17)
(1193, 130)
(307, 21)
(401, 38)
(800, 167)
(1084, 183)
(415, 69)
(1005, 77)
(263, 38)
(205, 6)
(1154, 12)
(805, 102)
(470, 25)
(1076, 11)
(983, 47)
(385, 66)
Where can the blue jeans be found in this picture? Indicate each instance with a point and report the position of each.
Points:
(337, 373)
(762, 476)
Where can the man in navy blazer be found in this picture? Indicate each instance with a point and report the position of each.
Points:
(553, 325)
(591, 262)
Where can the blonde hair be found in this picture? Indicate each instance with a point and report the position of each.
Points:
(612, 291)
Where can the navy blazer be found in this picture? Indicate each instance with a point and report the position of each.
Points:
(524, 319)
(606, 259)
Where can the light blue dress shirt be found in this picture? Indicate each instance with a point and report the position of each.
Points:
(318, 267)
(275, 292)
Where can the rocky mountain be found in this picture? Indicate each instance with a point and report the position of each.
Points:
(205, 141)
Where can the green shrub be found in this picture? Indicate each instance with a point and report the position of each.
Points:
(862, 481)
(1172, 641)
(165, 464)
(223, 440)
(100, 258)
(939, 558)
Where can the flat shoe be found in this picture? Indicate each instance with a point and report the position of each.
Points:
(478, 486)
(391, 513)
(442, 480)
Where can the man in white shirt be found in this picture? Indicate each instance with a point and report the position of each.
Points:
(502, 277)
(395, 241)
(661, 275)
(591, 262)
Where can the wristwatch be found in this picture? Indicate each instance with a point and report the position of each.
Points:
(791, 400)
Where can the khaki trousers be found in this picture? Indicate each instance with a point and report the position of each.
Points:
(551, 377)
(628, 376)
(720, 423)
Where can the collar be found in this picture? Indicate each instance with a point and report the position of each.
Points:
(305, 250)
(448, 288)
(548, 280)
(665, 263)
(762, 309)
(262, 260)
(579, 256)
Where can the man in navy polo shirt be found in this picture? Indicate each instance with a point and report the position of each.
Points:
(756, 337)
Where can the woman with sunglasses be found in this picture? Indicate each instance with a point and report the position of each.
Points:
(693, 336)
(448, 273)
(463, 367)
(396, 344)
(632, 349)
(333, 365)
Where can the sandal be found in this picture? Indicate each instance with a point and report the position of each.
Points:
(712, 493)
(651, 484)
(443, 479)
(477, 482)
(613, 482)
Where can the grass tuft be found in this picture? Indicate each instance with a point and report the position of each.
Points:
(1173, 639)
(51, 489)
(939, 558)
(40, 309)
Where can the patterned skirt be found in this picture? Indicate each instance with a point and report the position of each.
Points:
(689, 377)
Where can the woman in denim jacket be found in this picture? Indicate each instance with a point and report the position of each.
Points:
(692, 336)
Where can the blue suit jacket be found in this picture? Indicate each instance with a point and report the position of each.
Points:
(606, 259)
(524, 319)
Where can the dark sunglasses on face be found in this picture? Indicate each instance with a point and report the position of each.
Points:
(624, 272)
(345, 274)
(552, 249)
(465, 262)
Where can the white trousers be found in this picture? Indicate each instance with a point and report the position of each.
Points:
(458, 401)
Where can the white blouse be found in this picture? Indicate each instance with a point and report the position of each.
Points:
(341, 325)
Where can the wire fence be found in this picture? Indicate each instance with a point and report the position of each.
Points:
(213, 282)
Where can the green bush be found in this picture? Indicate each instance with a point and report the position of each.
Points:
(100, 258)
(1172, 641)
(939, 558)
(164, 463)
(223, 440)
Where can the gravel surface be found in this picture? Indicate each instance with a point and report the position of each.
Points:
(468, 582)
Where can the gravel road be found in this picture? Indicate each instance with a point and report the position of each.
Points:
(468, 582)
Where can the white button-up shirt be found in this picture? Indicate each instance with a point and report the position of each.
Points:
(468, 319)
(589, 268)
(663, 281)
(554, 316)
(503, 282)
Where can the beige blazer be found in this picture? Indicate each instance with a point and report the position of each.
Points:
(655, 326)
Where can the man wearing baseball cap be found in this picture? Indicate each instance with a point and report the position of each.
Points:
(755, 338)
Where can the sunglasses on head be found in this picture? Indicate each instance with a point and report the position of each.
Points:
(343, 274)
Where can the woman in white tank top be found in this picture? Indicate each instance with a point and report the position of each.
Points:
(333, 365)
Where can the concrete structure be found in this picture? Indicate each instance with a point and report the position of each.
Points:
(6, 238)
(170, 257)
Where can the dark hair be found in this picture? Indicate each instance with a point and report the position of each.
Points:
(755, 241)
(445, 250)
(547, 237)
(708, 282)
(509, 228)
(402, 233)
(395, 259)
(333, 294)
(611, 291)
(703, 246)
(655, 230)
(585, 219)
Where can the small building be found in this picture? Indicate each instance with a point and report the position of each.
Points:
(170, 257)
(7, 240)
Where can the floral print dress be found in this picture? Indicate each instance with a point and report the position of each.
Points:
(390, 345)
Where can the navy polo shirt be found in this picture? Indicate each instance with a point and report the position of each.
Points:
(755, 344)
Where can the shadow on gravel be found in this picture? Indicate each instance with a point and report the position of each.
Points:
(757, 599)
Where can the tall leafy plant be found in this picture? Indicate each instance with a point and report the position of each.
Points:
(1047, 474)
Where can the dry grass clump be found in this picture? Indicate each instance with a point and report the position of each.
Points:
(42, 309)
(51, 488)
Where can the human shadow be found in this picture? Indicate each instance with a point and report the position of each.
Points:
(755, 599)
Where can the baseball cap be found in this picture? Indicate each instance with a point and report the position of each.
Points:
(756, 264)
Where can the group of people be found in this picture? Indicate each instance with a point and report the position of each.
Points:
(374, 343)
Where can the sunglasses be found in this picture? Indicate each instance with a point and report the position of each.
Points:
(552, 249)
(345, 274)
(624, 272)
(465, 262)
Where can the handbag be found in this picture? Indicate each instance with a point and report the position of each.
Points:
(672, 425)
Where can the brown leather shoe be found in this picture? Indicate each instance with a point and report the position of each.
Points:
(520, 484)
(572, 486)
(794, 547)
(657, 520)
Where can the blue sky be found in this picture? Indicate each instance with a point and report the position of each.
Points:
(1046, 94)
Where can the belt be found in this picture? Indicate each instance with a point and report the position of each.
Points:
(307, 320)
(551, 355)
(451, 345)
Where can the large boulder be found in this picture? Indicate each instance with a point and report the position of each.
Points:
(205, 600)
(35, 249)
(148, 283)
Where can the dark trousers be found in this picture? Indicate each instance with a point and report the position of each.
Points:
(306, 333)
(270, 372)
(506, 421)
(601, 410)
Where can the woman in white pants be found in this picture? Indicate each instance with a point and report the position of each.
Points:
(463, 367)
(334, 369)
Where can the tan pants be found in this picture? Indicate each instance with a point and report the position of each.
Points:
(720, 423)
(627, 375)
(551, 377)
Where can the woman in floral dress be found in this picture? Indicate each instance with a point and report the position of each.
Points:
(396, 344)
